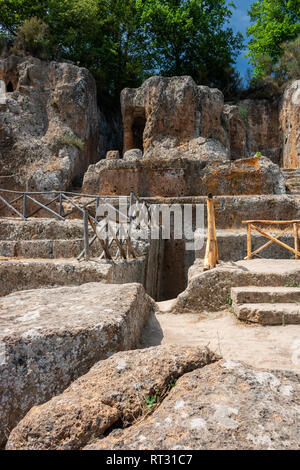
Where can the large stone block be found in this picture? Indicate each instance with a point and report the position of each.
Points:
(113, 391)
(227, 405)
(50, 337)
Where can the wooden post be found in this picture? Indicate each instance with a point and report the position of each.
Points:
(215, 232)
(249, 242)
(86, 234)
(211, 253)
(296, 240)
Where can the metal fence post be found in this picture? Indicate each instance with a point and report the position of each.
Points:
(60, 204)
(24, 206)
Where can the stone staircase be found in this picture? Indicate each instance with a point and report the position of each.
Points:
(267, 305)
(292, 179)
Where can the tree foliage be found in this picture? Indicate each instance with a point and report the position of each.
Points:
(274, 22)
(191, 37)
(287, 68)
(123, 42)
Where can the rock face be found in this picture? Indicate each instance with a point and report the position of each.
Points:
(224, 406)
(165, 113)
(112, 392)
(50, 125)
(173, 117)
(262, 127)
(290, 125)
(50, 337)
(184, 177)
(236, 128)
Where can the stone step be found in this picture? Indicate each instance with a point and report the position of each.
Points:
(40, 229)
(287, 171)
(268, 313)
(253, 295)
(46, 249)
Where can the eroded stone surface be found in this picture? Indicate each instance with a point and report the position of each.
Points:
(51, 337)
(49, 101)
(167, 112)
(112, 392)
(290, 124)
(184, 177)
(201, 292)
(226, 405)
(17, 275)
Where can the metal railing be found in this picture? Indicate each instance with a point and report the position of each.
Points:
(88, 211)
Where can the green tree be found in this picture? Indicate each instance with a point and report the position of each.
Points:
(190, 37)
(286, 69)
(274, 22)
(123, 42)
(101, 35)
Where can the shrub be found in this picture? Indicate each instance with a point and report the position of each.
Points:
(33, 38)
(243, 112)
(70, 141)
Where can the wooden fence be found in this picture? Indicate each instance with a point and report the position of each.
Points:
(291, 225)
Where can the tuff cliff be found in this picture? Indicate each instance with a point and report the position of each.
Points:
(51, 128)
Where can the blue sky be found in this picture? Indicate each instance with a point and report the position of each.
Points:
(240, 22)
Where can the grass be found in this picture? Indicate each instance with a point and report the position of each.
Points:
(151, 402)
(292, 284)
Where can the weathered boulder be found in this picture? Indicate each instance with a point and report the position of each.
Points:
(133, 155)
(290, 125)
(113, 392)
(223, 406)
(50, 337)
(165, 113)
(50, 126)
(184, 177)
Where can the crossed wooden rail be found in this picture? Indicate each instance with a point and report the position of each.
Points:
(272, 239)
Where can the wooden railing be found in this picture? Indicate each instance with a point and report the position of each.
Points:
(291, 225)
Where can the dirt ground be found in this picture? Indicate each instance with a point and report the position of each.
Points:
(271, 347)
